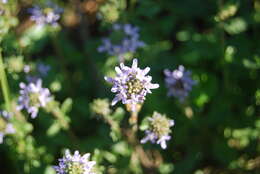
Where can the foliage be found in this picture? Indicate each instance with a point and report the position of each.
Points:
(217, 126)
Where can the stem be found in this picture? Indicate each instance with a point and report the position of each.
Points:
(4, 83)
(62, 61)
(133, 121)
(148, 162)
(57, 113)
(134, 110)
(223, 45)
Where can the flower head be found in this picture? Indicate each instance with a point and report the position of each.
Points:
(131, 84)
(179, 82)
(5, 126)
(32, 97)
(49, 14)
(43, 69)
(158, 130)
(123, 39)
(100, 107)
(75, 164)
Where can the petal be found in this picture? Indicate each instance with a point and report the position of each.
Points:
(109, 79)
(118, 70)
(1, 137)
(115, 100)
(163, 145)
(144, 140)
(22, 85)
(154, 86)
(167, 72)
(146, 70)
(171, 122)
(114, 89)
(135, 63)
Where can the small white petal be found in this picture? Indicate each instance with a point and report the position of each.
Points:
(163, 145)
(146, 70)
(109, 79)
(1, 137)
(135, 64)
(115, 100)
(171, 122)
(154, 86)
(118, 70)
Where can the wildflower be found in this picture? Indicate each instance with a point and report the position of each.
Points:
(131, 84)
(32, 97)
(5, 126)
(179, 82)
(124, 39)
(158, 130)
(49, 14)
(75, 164)
(15, 64)
(100, 107)
(43, 69)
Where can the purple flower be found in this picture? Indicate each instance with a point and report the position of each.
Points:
(32, 97)
(131, 84)
(158, 130)
(6, 127)
(49, 14)
(126, 39)
(43, 69)
(179, 82)
(75, 164)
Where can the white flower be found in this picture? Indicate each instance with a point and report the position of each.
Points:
(32, 97)
(75, 164)
(131, 84)
(158, 130)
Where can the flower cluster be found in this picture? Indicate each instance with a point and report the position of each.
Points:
(124, 39)
(158, 130)
(5, 126)
(46, 15)
(43, 69)
(179, 82)
(100, 107)
(131, 84)
(32, 97)
(75, 164)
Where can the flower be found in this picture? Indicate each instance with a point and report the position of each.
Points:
(124, 39)
(75, 164)
(179, 82)
(158, 130)
(49, 14)
(32, 97)
(131, 84)
(100, 107)
(5, 126)
(4, 1)
(43, 69)
(33, 73)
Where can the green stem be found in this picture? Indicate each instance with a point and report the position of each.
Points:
(4, 83)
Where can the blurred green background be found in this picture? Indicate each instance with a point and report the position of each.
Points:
(217, 129)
